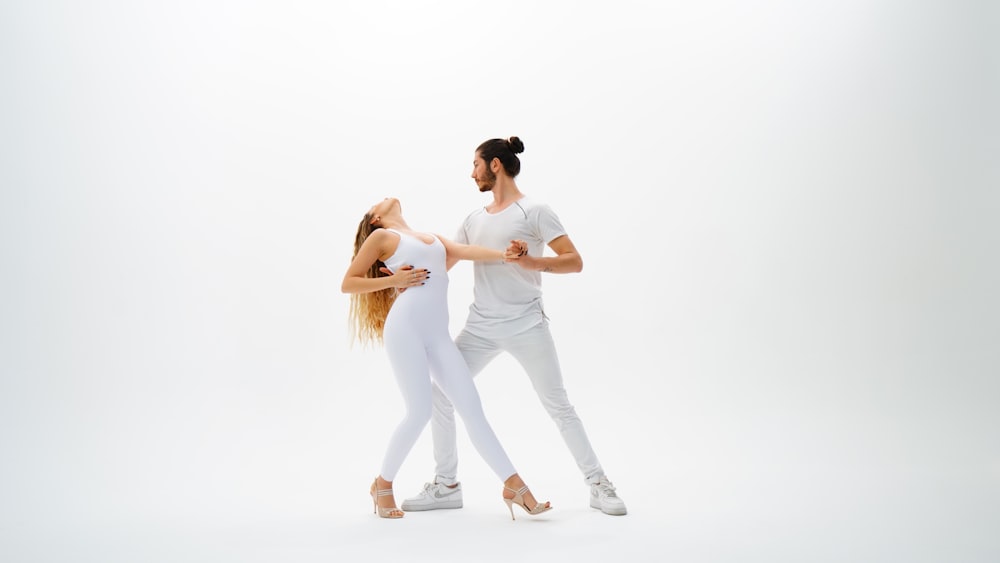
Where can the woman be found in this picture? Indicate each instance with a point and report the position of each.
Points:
(407, 311)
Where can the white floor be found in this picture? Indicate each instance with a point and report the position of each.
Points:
(787, 516)
(262, 481)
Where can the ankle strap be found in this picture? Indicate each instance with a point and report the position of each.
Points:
(384, 492)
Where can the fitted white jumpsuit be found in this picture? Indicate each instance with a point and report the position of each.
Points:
(422, 353)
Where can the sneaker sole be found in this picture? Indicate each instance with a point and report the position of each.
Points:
(435, 506)
(594, 503)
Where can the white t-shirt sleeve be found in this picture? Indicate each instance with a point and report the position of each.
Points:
(546, 224)
(462, 234)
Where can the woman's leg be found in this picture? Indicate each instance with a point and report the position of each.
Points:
(477, 352)
(452, 376)
(412, 373)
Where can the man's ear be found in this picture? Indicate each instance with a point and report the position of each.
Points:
(495, 165)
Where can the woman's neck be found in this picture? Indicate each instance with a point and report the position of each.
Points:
(395, 223)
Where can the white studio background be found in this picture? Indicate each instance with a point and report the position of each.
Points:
(783, 343)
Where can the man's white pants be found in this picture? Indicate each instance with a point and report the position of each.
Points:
(535, 350)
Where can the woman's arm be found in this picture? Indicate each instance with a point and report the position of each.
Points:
(373, 249)
(459, 251)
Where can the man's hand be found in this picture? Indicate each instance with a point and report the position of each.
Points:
(517, 250)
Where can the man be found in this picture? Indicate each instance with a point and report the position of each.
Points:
(507, 316)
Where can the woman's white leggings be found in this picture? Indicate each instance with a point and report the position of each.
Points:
(422, 354)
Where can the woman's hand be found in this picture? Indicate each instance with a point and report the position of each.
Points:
(406, 276)
(517, 250)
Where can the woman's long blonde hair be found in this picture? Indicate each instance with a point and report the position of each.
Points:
(369, 310)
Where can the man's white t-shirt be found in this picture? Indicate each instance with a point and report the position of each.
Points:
(507, 299)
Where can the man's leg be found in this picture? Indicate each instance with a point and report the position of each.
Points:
(536, 352)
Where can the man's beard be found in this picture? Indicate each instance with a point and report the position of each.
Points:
(489, 182)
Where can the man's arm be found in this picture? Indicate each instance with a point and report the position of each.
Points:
(566, 261)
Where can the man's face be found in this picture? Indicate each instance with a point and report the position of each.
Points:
(481, 173)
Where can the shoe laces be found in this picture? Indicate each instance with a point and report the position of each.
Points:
(606, 488)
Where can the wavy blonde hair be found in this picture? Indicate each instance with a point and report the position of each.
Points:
(369, 310)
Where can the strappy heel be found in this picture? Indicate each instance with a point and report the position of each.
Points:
(382, 511)
(518, 499)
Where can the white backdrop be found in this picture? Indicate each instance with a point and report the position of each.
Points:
(783, 342)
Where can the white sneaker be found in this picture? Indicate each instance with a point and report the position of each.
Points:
(435, 496)
(603, 496)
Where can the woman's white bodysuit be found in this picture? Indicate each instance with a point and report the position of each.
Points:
(421, 349)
